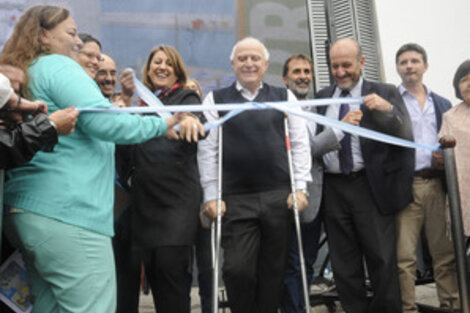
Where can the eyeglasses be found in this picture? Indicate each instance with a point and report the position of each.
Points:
(91, 55)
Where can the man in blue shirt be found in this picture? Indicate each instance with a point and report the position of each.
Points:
(428, 208)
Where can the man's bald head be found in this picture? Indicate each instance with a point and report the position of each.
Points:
(347, 62)
(107, 60)
(106, 76)
(348, 44)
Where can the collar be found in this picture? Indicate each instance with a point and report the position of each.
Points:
(356, 91)
(163, 93)
(402, 90)
(242, 89)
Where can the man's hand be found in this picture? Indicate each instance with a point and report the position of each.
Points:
(210, 209)
(437, 159)
(375, 102)
(65, 120)
(302, 201)
(190, 128)
(353, 117)
(128, 87)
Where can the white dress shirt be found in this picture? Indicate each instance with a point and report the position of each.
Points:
(208, 148)
(331, 159)
(424, 126)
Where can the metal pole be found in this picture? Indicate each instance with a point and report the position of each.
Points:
(448, 144)
(216, 229)
(1, 207)
(297, 219)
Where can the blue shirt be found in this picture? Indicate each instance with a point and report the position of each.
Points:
(424, 125)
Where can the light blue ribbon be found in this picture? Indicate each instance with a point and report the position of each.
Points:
(147, 96)
(355, 130)
(156, 106)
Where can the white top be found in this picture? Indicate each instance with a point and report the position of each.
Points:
(5, 90)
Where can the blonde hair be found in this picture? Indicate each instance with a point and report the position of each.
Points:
(25, 43)
(196, 83)
(176, 61)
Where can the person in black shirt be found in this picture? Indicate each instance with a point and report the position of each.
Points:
(165, 189)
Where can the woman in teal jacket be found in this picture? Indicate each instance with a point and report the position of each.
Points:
(59, 206)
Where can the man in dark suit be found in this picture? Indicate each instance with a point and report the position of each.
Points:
(298, 76)
(427, 211)
(366, 183)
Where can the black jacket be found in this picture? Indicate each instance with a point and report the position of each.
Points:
(165, 189)
(389, 168)
(18, 145)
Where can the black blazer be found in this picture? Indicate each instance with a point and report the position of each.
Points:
(389, 169)
(441, 105)
(165, 193)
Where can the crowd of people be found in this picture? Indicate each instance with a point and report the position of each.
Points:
(375, 200)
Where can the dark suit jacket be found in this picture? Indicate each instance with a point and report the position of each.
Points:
(441, 105)
(389, 169)
(165, 191)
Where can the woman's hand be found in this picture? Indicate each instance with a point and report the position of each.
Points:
(18, 109)
(25, 106)
(64, 120)
(171, 122)
(190, 128)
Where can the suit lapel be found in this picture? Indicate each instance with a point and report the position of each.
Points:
(367, 88)
(324, 93)
(328, 93)
(438, 111)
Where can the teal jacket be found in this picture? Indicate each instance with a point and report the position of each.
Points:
(74, 183)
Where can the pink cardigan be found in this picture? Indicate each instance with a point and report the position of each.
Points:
(456, 123)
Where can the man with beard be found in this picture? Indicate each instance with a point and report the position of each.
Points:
(128, 262)
(297, 75)
(106, 80)
(366, 183)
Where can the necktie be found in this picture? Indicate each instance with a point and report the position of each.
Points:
(345, 154)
